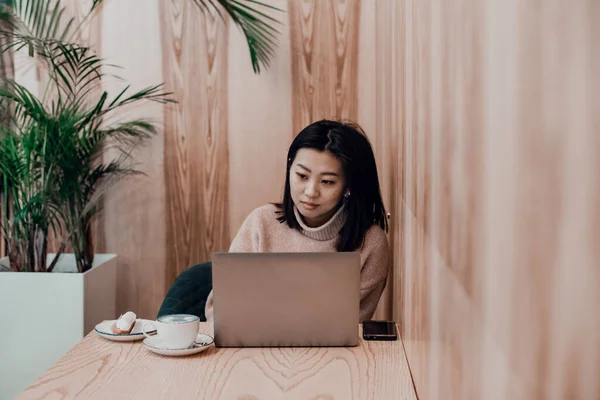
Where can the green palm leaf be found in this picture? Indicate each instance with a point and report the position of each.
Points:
(17, 100)
(255, 25)
(33, 24)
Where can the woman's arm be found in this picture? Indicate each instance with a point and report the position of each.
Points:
(374, 273)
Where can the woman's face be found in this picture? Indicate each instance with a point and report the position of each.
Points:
(317, 185)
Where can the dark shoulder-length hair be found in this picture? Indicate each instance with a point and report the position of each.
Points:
(364, 206)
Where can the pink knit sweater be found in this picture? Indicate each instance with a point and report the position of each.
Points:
(261, 232)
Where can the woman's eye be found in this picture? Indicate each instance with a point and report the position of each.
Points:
(302, 176)
(328, 182)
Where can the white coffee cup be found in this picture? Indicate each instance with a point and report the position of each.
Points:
(175, 331)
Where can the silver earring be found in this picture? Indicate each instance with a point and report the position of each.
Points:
(347, 194)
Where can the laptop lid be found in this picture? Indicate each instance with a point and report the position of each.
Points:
(286, 299)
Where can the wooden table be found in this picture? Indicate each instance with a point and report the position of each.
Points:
(99, 368)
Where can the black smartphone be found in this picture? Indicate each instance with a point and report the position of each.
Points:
(379, 330)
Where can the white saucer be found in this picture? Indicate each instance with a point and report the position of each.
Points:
(104, 329)
(202, 343)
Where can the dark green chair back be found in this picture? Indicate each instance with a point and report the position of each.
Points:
(189, 292)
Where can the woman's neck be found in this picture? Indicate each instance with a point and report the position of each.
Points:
(330, 229)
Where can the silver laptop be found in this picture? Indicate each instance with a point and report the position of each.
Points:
(286, 299)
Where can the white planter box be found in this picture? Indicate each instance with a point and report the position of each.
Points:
(43, 315)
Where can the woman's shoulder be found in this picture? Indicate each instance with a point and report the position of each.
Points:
(375, 237)
(265, 213)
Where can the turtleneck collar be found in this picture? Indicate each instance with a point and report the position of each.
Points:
(328, 230)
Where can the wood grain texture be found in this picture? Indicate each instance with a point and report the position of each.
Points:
(498, 174)
(379, 115)
(196, 168)
(135, 209)
(90, 33)
(324, 37)
(259, 122)
(7, 71)
(98, 368)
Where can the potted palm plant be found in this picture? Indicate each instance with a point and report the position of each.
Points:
(55, 167)
(53, 171)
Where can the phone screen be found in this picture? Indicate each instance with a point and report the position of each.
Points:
(379, 330)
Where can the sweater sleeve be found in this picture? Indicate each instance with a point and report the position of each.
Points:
(247, 240)
(374, 273)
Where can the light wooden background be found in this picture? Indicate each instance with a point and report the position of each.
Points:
(484, 120)
(495, 114)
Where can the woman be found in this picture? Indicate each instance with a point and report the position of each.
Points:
(331, 202)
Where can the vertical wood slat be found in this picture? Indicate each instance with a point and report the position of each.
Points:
(91, 35)
(196, 146)
(259, 121)
(135, 210)
(324, 42)
(6, 72)
(497, 279)
(379, 114)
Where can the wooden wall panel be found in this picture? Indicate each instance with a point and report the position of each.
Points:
(7, 71)
(498, 163)
(324, 41)
(135, 213)
(91, 34)
(379, 115)
(260, 122)
(194, 58)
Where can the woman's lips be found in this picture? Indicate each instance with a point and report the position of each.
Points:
(309, 206)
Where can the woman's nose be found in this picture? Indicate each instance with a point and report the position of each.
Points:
(311, 190)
